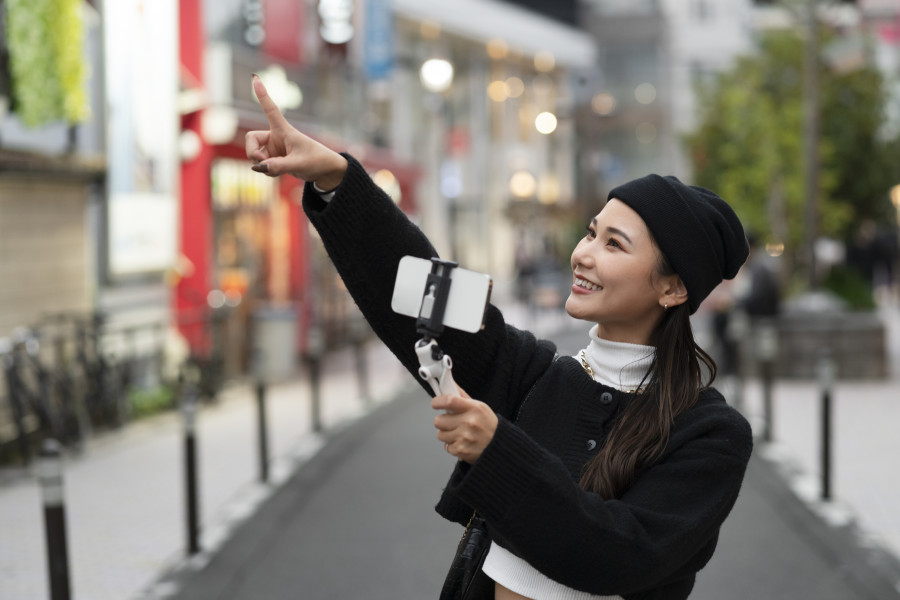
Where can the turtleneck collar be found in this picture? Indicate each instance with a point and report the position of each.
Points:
(617, 364)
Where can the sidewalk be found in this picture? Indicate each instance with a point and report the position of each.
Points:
(865, 488)
(124, 494)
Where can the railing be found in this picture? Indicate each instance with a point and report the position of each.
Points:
(70, 374)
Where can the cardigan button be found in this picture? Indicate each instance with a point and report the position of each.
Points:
(591, 444)
(606, 398)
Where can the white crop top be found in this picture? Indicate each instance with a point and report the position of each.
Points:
(617, 365)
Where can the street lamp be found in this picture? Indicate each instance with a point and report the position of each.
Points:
(498, 90)
(544, 61)
(219, 125)
(645, 93)
(337, 21)
(603, 104)
(522, 185)
(284, 92)
(545, 123)
(436, 75)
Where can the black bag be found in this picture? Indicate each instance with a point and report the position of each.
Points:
(466, 580)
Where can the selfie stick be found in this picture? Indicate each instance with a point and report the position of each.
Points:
(435, 365)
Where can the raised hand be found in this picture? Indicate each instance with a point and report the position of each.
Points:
(285, 150)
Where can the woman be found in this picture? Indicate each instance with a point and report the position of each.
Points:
(605, 475)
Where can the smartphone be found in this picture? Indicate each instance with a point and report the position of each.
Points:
(467, 302)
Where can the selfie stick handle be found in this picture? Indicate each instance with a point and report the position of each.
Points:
(436, 367)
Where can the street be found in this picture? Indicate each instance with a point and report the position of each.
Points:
(357, 522)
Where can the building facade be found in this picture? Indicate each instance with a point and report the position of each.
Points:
(351, 75)
(640, 102)
(51, 189)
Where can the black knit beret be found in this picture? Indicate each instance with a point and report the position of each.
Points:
(696, 230)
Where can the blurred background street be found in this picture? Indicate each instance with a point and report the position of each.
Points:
(176, 344)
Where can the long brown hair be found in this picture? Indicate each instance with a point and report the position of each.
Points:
(670, 387)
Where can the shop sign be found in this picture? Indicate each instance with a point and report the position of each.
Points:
(142, 231)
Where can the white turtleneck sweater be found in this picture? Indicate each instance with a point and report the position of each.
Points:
(618, 365)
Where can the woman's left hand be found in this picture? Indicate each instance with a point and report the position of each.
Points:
(466, 427)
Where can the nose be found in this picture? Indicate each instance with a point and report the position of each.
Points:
(582, 256)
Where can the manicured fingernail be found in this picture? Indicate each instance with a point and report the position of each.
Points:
(261, 168)
(255, 75)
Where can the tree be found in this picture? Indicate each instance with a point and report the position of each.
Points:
(748, 145)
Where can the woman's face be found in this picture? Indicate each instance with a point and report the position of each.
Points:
(616, 282)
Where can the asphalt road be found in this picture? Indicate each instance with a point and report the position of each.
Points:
(357, 521)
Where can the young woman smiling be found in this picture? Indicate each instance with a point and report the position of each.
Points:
(600, 476)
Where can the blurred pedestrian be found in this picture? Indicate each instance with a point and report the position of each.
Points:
(721, 301)
(887, 255)
(603, 475)
(862, 253)
(761, 295)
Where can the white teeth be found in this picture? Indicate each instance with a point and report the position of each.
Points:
(586, 284)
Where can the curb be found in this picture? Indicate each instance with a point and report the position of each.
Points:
(831, 528)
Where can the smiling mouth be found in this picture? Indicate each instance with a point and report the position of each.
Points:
(585, 284)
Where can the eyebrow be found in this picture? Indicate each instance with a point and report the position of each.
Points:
(614, 231)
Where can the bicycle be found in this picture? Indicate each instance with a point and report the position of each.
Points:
(30, 388)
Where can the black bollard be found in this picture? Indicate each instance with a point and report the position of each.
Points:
(263, 431)
(362, 368)
(315, 383)
(766, 372)
(766, 353)
(827, 371)
(189, 411)
(55, 520)
(737, 331)
(315, 348)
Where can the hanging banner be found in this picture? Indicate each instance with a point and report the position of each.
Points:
(378, 48)
(284, 26)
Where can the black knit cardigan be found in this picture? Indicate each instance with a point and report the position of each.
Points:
(649, 543)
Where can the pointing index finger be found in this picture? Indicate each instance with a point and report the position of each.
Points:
(271, 110)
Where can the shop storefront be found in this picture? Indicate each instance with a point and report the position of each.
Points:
(265, 259)
(251, 264)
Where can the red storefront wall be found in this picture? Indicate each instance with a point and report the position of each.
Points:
(198, 236)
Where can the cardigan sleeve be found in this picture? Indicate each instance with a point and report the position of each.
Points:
(366, 235)
(655, 533)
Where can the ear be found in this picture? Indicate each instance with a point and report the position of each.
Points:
(672, 292)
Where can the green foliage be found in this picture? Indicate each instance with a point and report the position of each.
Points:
(749, 144)
(150, 401)
(850, 286)
(46, 61)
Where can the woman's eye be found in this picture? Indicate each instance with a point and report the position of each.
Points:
(590, 232)
(612, 242)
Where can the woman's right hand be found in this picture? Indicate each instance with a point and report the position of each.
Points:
(283, 149)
